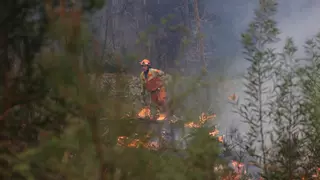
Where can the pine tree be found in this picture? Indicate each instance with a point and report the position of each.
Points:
(71, 131)
(287, 144)
(30, 107)
(310, 84)
(255, 111)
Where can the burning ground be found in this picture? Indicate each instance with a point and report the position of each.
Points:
(240, 167)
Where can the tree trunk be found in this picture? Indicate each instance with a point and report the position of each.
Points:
(4, 70)
(200, 49)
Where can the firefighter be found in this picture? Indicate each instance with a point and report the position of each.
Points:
(153, 83)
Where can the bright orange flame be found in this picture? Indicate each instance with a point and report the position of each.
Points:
(214, 133)
(161, 117)
(145, 112)
(153, 145)
(135, 143)
(121, 140)
(239, 169)
(202, 119)
(192, 125)
(316, 175)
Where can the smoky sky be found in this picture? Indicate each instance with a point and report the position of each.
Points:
(295, 18)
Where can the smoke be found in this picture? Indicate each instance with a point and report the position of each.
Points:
(295, 18)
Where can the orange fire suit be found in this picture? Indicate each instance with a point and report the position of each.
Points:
(152, 81)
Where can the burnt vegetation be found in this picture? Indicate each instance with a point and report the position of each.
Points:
(69, 95)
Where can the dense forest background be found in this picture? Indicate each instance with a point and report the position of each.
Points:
(70, 91)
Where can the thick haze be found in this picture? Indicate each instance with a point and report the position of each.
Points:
(296, 18)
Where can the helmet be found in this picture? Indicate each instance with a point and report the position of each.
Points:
(145, 62)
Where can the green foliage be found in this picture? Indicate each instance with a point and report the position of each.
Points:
(287, 112)
(163, 21)
(309, 75)
(152, 28)
(144, 36)
(261, 33)
(286, 136)
(185, 41)
(93, 5)
(70, 130)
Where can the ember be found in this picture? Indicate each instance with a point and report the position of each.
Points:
(144, 113)
(135, 143)
(202, 119)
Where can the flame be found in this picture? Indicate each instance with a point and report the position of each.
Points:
(238, 171)
(135, 143)
(161, 117)
(215, 133)
(153, 145)
(145, 112)
(239, 167)
(202, 119)
(192, 125)
(316, 175)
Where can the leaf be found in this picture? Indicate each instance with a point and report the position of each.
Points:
(28, 153)
(22, 167)
(163, 21)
